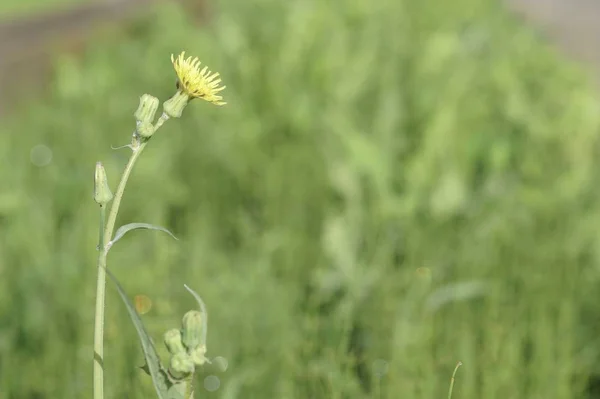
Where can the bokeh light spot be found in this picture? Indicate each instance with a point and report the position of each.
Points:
(212, 383)
(380, 367)
(143, 304)
(220, 363)
(41, 155)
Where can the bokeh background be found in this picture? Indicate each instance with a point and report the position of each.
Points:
(393, 187)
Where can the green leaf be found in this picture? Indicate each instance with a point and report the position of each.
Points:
(153, 365)
(134, 226)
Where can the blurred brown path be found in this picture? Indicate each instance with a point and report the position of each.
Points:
(574, 25)
(28, 44)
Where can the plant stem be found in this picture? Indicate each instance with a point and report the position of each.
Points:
(189, 389)
(452, 380)
(101, 227)
(104, 246)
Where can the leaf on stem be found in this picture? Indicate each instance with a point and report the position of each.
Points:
(153, 365)
(134, 226)
(122, 146)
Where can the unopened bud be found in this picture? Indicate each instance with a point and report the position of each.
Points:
(147, 109)
(145, 129)
(173, 341)
(181, 365)
(193, 330)
(174, 106)
(102, 193)
(197, 355)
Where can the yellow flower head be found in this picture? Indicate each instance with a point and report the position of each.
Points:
(197, 83)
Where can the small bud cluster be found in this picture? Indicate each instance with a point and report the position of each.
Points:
(187, 345)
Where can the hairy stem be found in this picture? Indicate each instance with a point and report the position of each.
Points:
(104, 246)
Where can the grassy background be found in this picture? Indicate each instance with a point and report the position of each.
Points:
(393, 187)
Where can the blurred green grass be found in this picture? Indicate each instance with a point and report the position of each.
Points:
(393, 187)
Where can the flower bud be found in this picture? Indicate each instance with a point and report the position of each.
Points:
(102, 193)
(193, 330)
(145, 129)
(197, 355)
(181, 365)
(175, 105)
(173, 341)
(146, 109)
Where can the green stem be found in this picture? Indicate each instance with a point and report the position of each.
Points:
(163, 118)
(101, 280)
(452, 380)
(189, 389)
(101, 227)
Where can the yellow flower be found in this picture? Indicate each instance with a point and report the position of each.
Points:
(197, 83)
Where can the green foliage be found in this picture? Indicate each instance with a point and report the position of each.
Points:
(394, 186)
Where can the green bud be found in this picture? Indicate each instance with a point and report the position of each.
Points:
(197, 355)
(145, 129)
(102, 193)
(181, 365)
(173, 341)
(146, 109)
(174, 106)
(193, 330)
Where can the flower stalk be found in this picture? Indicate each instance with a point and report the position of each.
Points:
(101, 277)
(192, 83)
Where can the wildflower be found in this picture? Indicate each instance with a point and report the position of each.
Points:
(197, 83)
(192, 82)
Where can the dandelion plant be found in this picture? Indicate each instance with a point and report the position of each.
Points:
(187, 345)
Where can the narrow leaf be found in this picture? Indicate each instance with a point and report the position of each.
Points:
(153, 365)
(122, 146)
(134, 226)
